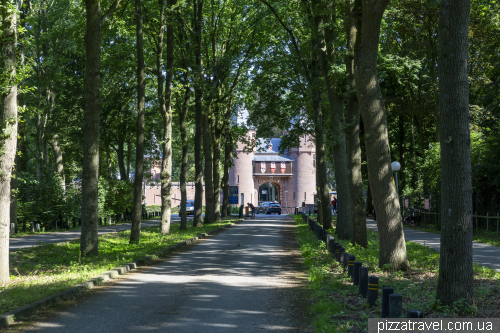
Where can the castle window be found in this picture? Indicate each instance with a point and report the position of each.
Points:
(304, 195)
(238, 179)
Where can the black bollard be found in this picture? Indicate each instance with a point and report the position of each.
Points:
(415, 314)
(341, 255)
(357, 266)
(345, 261)
(350, 265)
(24, 226)
(363, 281)
(372, 290)
(337, 252)
(386, 292)
(329, 242)
(334, 247)
(395, 305)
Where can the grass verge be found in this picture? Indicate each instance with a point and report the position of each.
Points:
(337, 305)
(45, 270)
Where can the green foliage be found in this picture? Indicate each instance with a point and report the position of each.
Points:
(115, 196)
(43, 200)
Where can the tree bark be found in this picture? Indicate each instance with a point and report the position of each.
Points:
(58, 160)
(209, 190)
(391, 236)
(455, 280)
(198, 92)
(8, 128)
(182, 127)
(326, 55)
(120, 152)
(228, 162)
(89, 236)
(166, 170)
(135, 232)
(353, 144)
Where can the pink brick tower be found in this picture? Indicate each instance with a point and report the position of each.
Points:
(241, 174)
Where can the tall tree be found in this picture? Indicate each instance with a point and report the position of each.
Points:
(166, 169)
(8, 126)
(323, 11)
(390, 226)
(135, 233)
(198, 100)
(455, 280)
(89, 241)
(353, 144)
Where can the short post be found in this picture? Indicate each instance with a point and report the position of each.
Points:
(341, 255)
(329, 242)
(37, 227)
(337, 252)
(395, 305)
(363, 281)
(414, 313)
(32, 227)
(350, 265)
(357, 266)
(240, 212)
(24, 226)
(12, 229)
(372, 290)
(386, 292)
(345, 261)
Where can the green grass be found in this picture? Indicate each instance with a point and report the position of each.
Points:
(51, 268)
(338, 306)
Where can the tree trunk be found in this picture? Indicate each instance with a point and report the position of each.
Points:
(209, 190)
(353, 144)
(120, 152)
(326, 56)
(108, 155)
(228, 162)
(58, 160)
(198, 196)
(216, 135)
(391, 236)
(166, 169)
(89, 236)
(182, 127)
(8, 124)
(455, 280)
(135, 232)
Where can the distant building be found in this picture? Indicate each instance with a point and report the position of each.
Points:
(264, 175)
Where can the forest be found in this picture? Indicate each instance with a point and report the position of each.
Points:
(104, 88)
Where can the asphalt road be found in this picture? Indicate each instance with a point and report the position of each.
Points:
(64, 236)
(483, 254)
(241, 280)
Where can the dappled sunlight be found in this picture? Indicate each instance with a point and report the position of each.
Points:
(226, 282)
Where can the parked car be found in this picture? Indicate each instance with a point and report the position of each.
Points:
(262, 207)
(273, 207)
(189, 207)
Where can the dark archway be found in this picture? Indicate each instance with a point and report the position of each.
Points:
(269, 192)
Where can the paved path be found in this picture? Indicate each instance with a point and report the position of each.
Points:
(64, 236)
(484, 254)
(241, 280)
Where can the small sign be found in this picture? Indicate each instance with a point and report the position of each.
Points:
(406, 202)
(427, 204)
(233, 194)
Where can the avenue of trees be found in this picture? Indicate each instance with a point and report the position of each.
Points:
(94, 90)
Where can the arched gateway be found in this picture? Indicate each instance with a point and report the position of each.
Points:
(262, 174)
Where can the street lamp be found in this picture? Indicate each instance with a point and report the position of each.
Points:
(395, 166)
